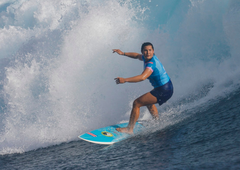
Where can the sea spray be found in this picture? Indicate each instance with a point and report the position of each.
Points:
(59, 83)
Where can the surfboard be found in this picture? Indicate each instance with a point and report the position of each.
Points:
(109, 135)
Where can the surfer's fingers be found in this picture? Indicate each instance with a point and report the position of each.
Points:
(120, 80)
(117, 80)
(117, 51)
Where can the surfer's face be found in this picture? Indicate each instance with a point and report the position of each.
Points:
(148, 52)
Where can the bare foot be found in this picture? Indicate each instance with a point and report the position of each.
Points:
(125, 130)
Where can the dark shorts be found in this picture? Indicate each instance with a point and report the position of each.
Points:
(163, 93)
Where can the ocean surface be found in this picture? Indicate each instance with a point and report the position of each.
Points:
(57, 75)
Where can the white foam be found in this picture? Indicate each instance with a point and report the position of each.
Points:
(53, 97)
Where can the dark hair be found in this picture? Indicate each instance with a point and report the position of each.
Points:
(146, 44)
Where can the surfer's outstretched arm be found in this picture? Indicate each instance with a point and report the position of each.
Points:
(129, 54)
(146, 73)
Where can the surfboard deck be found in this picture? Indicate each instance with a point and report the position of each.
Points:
(109, 135)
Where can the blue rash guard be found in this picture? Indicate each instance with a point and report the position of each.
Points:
(159, 76)
(163, 88)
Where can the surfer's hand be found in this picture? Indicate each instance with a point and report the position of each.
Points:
(118, 51)
(119, 80)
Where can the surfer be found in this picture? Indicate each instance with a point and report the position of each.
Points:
(155, 72)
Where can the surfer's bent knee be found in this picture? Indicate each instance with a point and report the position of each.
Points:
(136, 103)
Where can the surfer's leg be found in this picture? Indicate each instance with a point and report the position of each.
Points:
(144, 100)
(153, 110)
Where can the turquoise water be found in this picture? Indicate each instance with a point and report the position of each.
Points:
(57, 81)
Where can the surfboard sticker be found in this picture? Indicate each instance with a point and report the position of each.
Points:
(109, 135)
(91, 134)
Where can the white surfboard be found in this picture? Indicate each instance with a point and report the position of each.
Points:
(109, 135)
